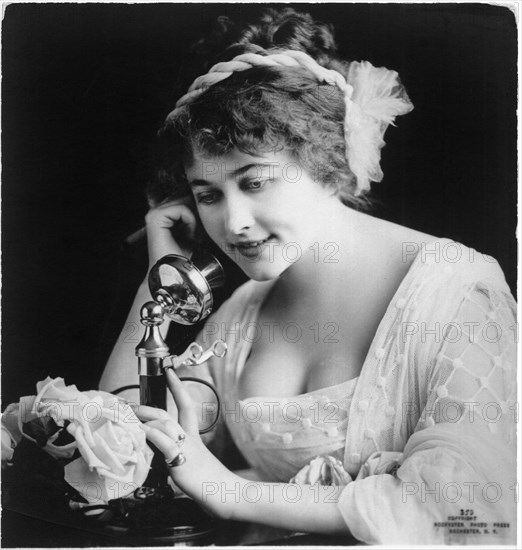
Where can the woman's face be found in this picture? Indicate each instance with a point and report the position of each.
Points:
(262, 211)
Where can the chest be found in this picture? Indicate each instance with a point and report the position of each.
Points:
(299, 350)
(319, 338)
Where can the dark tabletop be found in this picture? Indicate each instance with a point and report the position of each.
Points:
(36, 513)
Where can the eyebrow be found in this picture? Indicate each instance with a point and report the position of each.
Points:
(238, 172)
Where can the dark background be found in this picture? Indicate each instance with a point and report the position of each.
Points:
(85, 88)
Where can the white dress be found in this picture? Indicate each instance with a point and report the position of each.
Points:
(427, 431)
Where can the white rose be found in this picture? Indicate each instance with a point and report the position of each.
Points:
(115, 458)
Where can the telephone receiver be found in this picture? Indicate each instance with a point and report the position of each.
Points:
(183, 291)
(184, 288)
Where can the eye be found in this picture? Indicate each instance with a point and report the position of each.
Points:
(208, 197)
(254, 185)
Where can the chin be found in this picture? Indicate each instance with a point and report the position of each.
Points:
(262, 270)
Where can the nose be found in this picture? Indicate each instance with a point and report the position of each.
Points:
(238, 216)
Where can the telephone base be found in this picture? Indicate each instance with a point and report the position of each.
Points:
(153, 517)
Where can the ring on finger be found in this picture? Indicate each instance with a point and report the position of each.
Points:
(176, 461)
(181, 440)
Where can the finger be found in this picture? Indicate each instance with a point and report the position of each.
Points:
(171, 213)
(185, 199)
(146, 413)
(187, 217)
(187, 417)
(178, 213)
(172, 408)
(177, 203)
(162, 441)
(168, 427)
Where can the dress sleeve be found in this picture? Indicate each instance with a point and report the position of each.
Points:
(456, 480)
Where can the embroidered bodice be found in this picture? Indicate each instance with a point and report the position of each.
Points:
(279, 437)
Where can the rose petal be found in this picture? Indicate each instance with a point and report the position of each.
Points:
(10, 422)
(8, 445)
(55, 390)
(61, 451)
(25, 414)
(117, 437)
(104, 452)
(86, 481)
(92, 460)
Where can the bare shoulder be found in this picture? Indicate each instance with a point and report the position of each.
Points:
(396, 246)
(385, 253)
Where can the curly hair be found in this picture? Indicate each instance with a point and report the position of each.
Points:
(264, 109)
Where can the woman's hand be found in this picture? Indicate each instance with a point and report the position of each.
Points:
(161, 219)
(201, 475)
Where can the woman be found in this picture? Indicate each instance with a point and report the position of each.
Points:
(385, 351)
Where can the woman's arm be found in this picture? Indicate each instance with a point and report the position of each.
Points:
(303, 508)
(121, 369)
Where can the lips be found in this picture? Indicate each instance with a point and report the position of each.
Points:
(251, 248)
(251, 243)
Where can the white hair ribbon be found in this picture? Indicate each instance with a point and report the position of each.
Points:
(373, 96)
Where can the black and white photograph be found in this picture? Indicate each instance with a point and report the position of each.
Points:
(259, 274)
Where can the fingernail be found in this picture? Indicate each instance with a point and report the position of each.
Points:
(171, 375)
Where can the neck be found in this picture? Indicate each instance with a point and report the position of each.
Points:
(336, 254)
